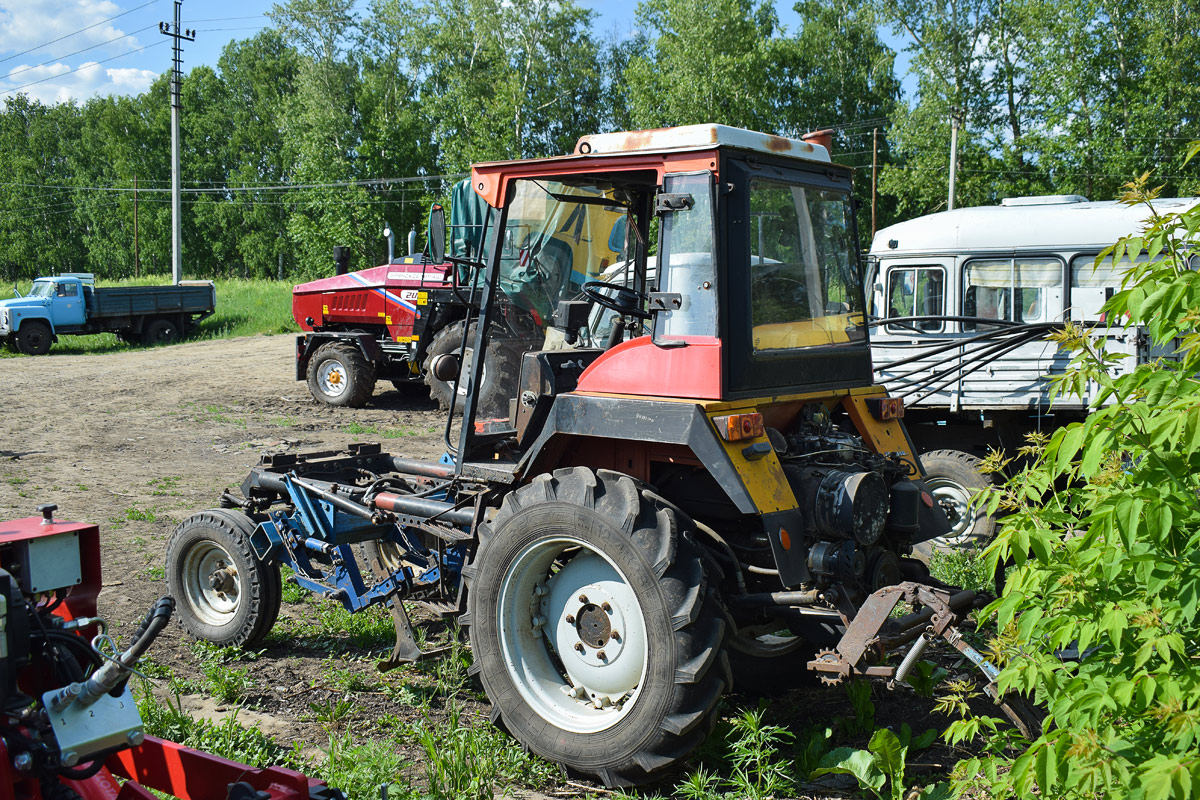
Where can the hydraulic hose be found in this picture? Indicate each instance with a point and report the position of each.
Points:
(116, 670)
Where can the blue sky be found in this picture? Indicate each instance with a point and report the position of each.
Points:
(53, 50)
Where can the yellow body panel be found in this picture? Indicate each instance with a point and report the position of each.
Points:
(763, 477)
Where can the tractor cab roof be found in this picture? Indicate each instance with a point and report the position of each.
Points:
(688, 148)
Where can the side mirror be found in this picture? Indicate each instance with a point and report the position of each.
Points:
(437, 234)
(446, 367)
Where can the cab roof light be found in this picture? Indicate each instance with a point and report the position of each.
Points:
(738, 427)
(886, 408)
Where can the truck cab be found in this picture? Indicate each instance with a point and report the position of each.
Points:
(53, 304)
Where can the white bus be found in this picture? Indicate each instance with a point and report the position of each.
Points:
(962, 301)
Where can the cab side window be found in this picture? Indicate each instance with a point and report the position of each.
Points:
(916, 292)
(68, 290)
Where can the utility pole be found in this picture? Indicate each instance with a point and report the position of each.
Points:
(954, 123)
(179, 35)
(137, 262)
(874, 174)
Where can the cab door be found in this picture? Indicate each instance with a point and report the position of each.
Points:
(66, 307)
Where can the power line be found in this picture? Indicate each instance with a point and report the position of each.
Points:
(377, 183)
(77, 69)
(73, 33)
(77, 52)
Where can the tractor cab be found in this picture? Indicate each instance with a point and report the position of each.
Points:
(738, 274)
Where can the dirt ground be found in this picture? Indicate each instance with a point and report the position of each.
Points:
(138, 440)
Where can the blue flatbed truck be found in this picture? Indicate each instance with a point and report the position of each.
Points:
(71, 303)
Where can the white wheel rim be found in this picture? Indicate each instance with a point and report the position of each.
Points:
(331, 376)
(959, 498)
(557, 639)
(211, 583)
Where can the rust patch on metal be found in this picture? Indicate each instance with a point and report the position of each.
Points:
(778, 144)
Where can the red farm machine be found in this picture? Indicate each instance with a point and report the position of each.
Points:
(392, 321)
(71, 728)
(712, 493)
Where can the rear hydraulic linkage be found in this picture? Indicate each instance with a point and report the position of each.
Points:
(873, 633)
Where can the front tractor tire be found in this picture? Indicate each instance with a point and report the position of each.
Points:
(595, 630)
(224, 594)
(955, 476)
(339, 375)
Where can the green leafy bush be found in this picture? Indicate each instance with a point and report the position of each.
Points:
(883, 764)
(1099, 620)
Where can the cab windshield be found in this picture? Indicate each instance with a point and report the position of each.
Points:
(805, 284)
(42, 289)
(554, 243)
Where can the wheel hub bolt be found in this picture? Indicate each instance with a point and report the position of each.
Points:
(615, 636)
(602, 655)
(570, 619)
(579, 646)
(583, 598)
(606, 607)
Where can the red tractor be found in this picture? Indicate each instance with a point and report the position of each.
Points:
(712, 494)
(70, 727)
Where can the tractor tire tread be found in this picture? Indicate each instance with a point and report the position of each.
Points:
(696, 617)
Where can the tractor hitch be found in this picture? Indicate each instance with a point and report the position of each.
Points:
(872, 634)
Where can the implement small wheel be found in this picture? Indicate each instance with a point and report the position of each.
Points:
(598, 637)
(225, 595)
(34, 338)
(339, 375)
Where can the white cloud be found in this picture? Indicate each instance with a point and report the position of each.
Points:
(57, 83)
(25, 24)
(45, 73)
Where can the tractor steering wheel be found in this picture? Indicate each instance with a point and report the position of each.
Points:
(624, 300)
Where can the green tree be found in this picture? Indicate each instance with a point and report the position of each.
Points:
(1104, 528)
(259, 75)
(708, 61)
(36, 231)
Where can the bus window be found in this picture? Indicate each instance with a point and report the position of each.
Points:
(916, 292)
(1012, 289)
(1092, 284)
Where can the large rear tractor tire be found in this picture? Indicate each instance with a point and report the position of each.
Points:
(34, 338)
(496, 385)
(954, 476)
(339, 375)
(225, 595)
(595, 631)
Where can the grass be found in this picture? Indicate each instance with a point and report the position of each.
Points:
(964, 568)
(358, 429)
(244, 308)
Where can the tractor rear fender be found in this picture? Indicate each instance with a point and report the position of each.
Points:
(307, 345)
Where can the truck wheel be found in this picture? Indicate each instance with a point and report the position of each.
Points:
(34, 338)
(225, 594)
(595, 631)
(955, 476)
(339, 375)
(496, 385)
(160, 331)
